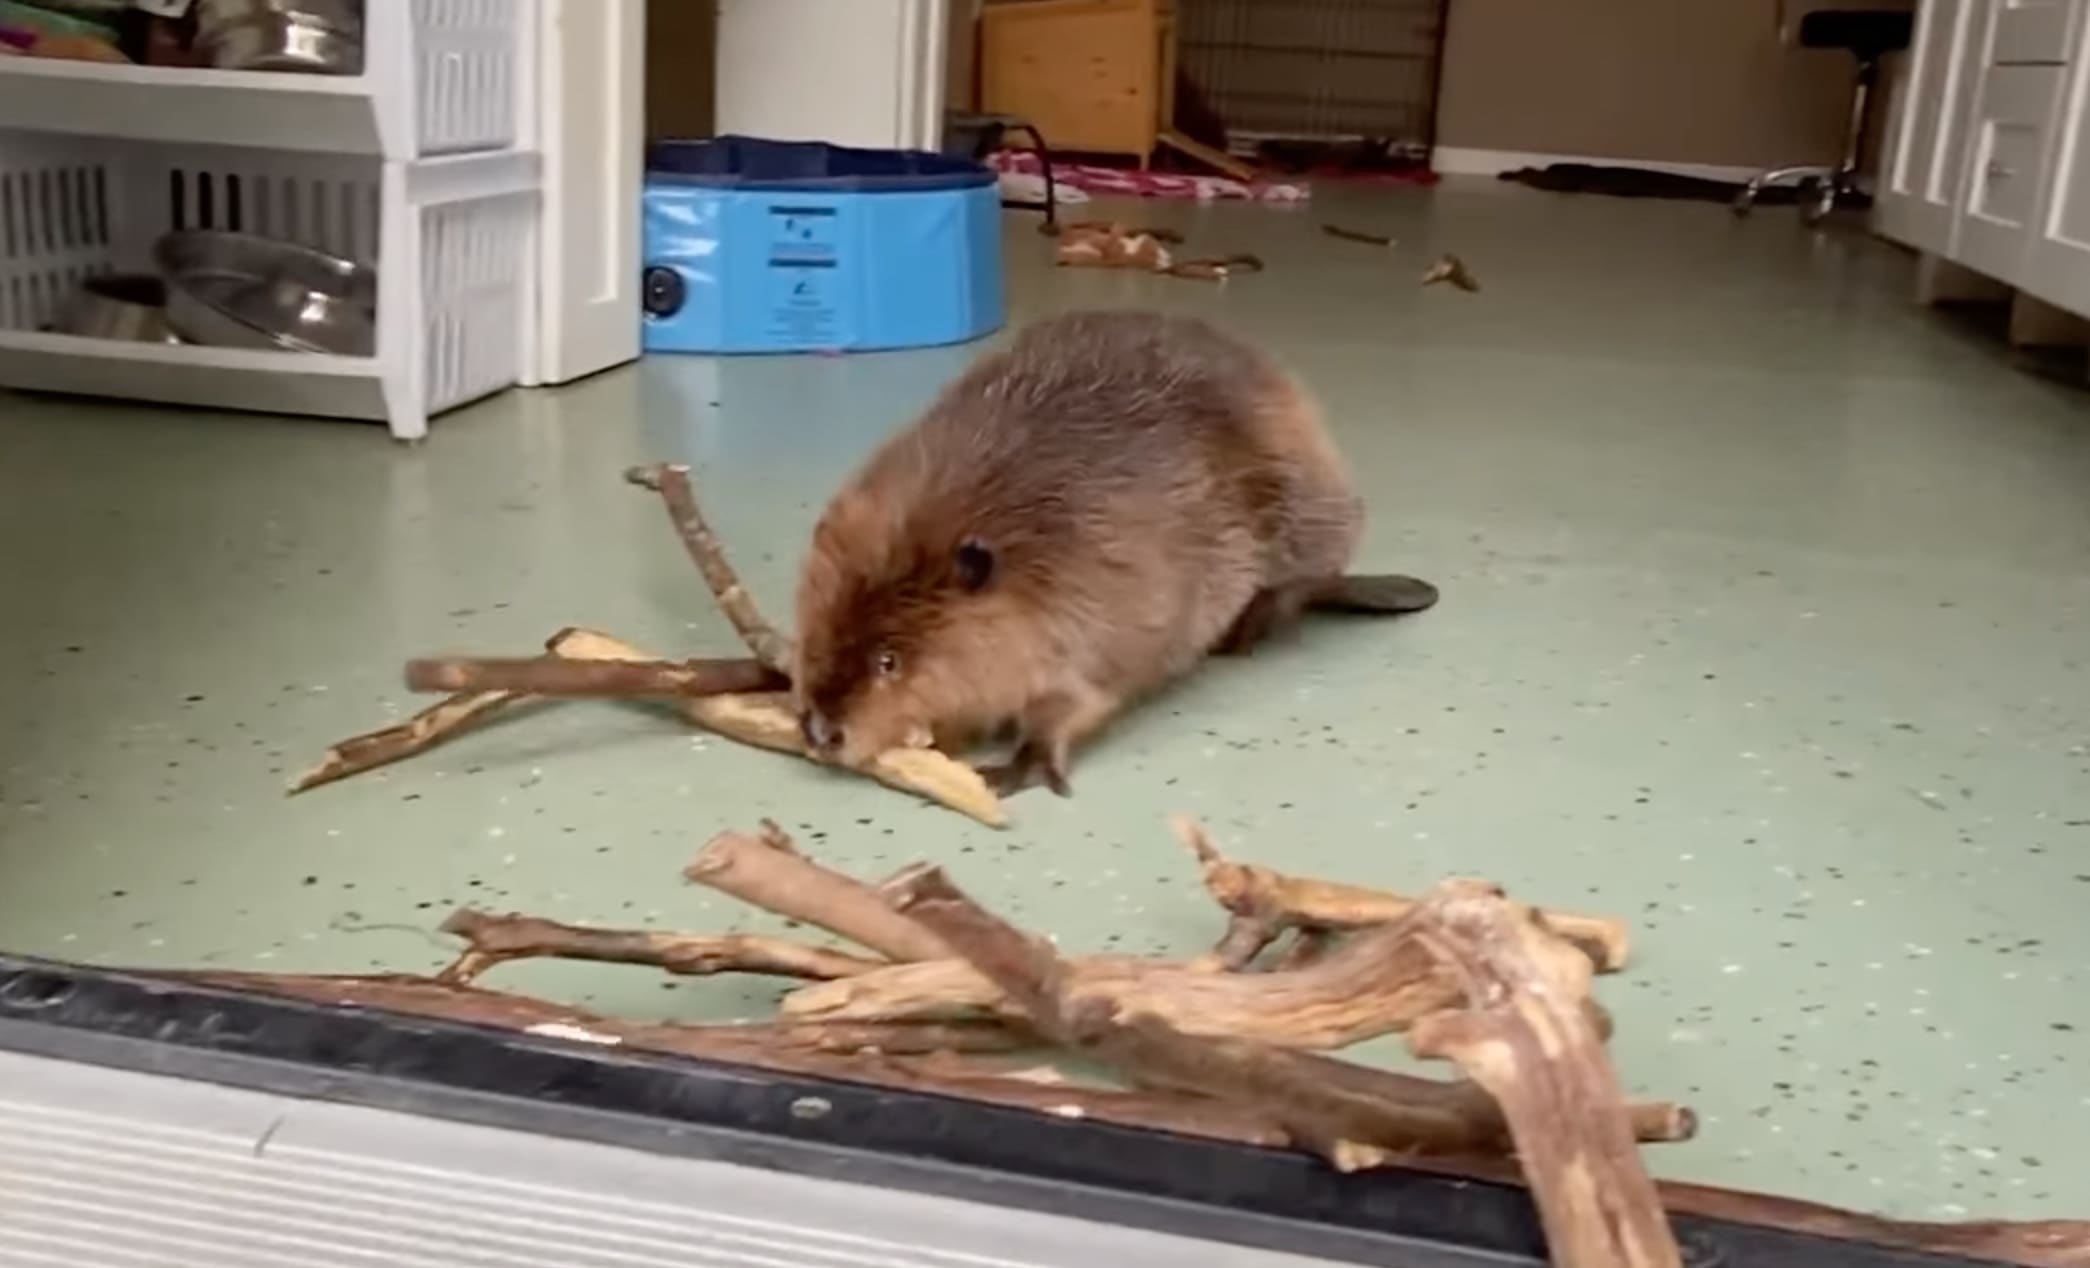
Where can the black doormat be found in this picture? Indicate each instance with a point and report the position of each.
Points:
(1639, 182)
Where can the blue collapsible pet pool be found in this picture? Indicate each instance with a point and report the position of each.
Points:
(790, 246)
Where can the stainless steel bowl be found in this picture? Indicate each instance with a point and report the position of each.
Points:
(323, 37)
(129, 306)
(244, 291)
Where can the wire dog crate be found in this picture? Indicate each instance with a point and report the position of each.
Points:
(1326, 70)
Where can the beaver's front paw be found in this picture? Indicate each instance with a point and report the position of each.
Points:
(1028, 768)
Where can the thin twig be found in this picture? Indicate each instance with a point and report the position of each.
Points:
(1216, 268)
(1255, 893)
(423, 731)
(493, 939)
(1357, 235)
(672, 482)
(426, 729)
(561, 676)
(1450, 268)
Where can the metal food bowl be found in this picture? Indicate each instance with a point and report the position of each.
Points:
(323, 37)
(129, 306)
(242, 291)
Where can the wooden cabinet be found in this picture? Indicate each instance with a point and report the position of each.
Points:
(1092, 75)
(1096, 76)
(1986, 165)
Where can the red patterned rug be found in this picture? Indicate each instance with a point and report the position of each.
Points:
(1093, 179)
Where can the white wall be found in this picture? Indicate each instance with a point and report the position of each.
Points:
(854, 72)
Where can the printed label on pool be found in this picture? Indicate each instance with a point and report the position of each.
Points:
(803, 283)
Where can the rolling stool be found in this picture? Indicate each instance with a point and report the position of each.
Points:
(1869, 35)
(975, 136)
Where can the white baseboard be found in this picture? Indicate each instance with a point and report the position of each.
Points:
(1456, 160)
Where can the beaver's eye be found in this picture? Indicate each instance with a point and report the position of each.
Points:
(887, 662)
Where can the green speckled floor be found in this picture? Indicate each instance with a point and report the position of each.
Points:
(1766, 625)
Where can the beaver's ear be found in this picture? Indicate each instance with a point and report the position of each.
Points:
(975, 564)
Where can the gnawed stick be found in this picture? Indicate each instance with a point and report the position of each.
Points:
(419, 733)
(609, 679)
(1354, 1116)
(767, 720)
(1358, 235)
(1274, 900)
(424, 730)
(1525, 1037)
(492, 940)
(767, 871)
(1450, 268)
(672, 482)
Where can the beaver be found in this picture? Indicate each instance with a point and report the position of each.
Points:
(1081, 517)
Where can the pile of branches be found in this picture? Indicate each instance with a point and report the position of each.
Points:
(938, 993)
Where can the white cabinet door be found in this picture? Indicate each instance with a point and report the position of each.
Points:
(2030, 32)
(2012, 120)
(2058, 270)
(850, 72)
(1927, 149)
(591, 127)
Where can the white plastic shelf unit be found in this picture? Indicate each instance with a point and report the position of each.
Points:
(439, 77)
(423, 166)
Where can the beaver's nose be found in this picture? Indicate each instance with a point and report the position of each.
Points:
(822, 735)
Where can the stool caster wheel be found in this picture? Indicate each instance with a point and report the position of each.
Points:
(1815, 209)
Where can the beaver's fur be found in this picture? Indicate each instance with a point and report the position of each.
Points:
(1081, 517)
